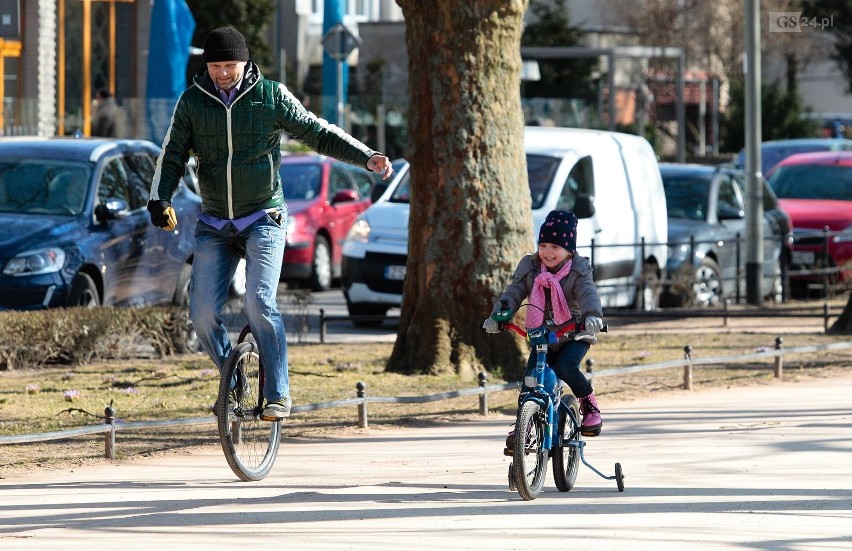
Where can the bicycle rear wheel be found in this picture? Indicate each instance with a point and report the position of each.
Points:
(566, 451)
(250, 444)
(530, 459)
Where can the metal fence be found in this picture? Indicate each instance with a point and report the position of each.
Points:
(110, 426)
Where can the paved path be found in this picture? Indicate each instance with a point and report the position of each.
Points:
(756, 468)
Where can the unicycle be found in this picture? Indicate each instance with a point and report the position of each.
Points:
(250, 444)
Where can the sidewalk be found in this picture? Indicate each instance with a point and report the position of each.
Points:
(759, 467)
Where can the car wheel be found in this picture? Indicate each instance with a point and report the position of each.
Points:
(367, 310)
(775, 292)
(649, 289)
(707, 286)
(321, 268)
(84, 292)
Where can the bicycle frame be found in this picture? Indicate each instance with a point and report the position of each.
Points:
(539, 378)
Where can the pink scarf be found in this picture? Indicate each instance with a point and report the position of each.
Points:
(561, 312)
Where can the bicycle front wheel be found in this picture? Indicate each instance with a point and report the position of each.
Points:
(250, 444)
(566, 452)
(530, 458)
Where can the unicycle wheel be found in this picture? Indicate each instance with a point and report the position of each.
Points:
(249, 443)
(619, 477)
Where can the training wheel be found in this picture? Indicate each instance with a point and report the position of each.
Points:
(619, 477)
(512, 486)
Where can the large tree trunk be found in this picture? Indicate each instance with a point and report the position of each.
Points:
(470, 202)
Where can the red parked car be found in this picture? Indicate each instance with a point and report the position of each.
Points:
(815, 189)
(324, 196)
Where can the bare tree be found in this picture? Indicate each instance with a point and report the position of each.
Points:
(470, 216)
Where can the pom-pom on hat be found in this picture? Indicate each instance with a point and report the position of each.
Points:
(225, 44)
(560, 228)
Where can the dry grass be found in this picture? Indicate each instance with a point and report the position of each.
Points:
(185, 386)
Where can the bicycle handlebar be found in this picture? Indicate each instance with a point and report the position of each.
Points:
(571, 327)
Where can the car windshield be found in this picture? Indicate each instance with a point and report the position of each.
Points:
(686, 196)
(43, 186)
(812, 182)
(300, 180)
(402, 193)
(540, 172)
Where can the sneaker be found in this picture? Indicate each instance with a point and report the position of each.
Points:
(592, 421)
(277, 410)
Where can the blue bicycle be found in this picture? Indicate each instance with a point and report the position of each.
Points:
(548, 422)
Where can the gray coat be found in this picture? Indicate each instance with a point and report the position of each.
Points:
(578, 286)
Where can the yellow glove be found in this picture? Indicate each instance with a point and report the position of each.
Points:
(162, 215)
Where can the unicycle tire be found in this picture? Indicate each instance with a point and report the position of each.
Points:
(249, 443)
(566, 452)
(529, 462)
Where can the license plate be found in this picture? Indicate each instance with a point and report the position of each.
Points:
(396, 273)
(803, 257)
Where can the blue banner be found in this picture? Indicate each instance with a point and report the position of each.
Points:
(172, 26)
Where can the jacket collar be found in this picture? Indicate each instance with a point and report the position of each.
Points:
(250, 78)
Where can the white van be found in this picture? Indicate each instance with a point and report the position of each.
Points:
(610, 180)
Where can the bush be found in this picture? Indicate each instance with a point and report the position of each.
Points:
(77, 335)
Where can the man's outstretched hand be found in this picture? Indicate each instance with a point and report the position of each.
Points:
(380, 164)
(162, 215)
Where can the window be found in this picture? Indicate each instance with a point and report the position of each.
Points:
(580, 181)
(114, 184)
(353, 11)
(140, 172)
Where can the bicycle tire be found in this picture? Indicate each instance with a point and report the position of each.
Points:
(249, 443)
(529, 463)
(566, 459)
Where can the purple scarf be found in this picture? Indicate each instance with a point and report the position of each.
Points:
(561, 312)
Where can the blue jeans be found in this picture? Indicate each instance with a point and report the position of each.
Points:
(566, 363)
(213, 267)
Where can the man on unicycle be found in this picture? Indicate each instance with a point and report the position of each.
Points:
(232, 120)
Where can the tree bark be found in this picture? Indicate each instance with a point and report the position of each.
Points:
(470, 219)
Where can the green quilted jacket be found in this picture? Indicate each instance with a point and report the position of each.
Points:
(238, 148)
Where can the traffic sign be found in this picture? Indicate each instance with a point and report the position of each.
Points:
(339, 42)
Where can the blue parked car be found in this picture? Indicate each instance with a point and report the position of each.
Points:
(74, 230)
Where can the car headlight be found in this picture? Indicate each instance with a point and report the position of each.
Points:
(360, 231)
(291, 227)
(35, 262)
(845, 236)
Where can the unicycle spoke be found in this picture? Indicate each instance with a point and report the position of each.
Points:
(250, 444)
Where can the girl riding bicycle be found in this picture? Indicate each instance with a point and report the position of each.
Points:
(561, 290)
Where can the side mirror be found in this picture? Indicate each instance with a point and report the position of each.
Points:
(377, 191)
(344, 196)
(584, 205)
(728, 213)
(112, 209)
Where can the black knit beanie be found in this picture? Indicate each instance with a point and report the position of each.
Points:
(225, 44)
(560, 228)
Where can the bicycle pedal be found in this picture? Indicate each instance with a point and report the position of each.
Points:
(508, 453)
(590, 433)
